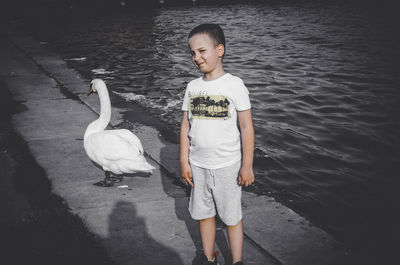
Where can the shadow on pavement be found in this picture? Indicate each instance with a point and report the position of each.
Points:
(129, 232)
(44, 231)
(37, 227)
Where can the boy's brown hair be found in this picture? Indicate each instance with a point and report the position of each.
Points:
(213, 30)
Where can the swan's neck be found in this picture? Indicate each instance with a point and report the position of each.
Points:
(105, 114)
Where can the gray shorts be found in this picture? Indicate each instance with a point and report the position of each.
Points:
(216, 188)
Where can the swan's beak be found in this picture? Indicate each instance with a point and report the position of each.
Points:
(90, 91)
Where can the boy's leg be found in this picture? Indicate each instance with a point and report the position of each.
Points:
(227, 194)
(235, 236)
(207, 232)
(202, 208)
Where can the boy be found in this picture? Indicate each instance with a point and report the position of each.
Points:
(210, 142)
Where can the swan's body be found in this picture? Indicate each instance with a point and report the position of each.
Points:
(117, 151)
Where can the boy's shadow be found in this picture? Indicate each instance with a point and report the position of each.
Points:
(173, 187)
(129, 233)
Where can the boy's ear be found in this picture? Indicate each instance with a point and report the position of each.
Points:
(220, 49)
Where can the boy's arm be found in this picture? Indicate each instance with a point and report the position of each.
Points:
(246, 175)
(186, 171)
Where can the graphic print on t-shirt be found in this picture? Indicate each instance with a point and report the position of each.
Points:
(208, 107)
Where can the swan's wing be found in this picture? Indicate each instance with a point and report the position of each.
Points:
(113, 152)
(130, 137)
(107, 146)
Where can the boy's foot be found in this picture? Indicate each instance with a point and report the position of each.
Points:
(238, 263)
(203, 260)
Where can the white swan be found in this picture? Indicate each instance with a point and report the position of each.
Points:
(116, 151)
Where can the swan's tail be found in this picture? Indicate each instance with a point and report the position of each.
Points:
(145, 167)
(131, 166)
(128, 166)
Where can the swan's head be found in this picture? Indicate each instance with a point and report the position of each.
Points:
(96, 85)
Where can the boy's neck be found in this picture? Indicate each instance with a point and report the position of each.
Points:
(217, 73)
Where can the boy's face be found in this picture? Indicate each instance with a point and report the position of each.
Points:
(206, 56)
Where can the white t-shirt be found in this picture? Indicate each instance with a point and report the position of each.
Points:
(212, 110)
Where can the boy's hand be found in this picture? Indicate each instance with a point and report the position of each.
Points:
(186, 173)
(246, 176)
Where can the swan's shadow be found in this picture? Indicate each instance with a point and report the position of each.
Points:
(138, 174)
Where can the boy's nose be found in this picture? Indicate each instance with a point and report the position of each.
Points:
(196, 57)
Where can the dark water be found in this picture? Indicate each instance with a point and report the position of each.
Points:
(325, 90)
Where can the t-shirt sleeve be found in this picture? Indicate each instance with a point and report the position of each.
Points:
(241, 97)
(185, 104)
